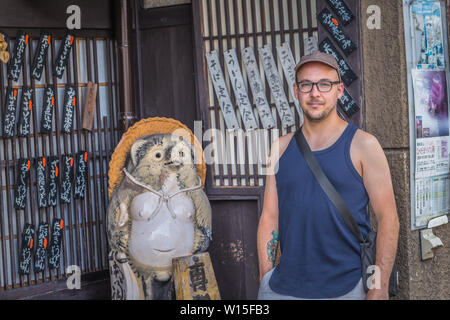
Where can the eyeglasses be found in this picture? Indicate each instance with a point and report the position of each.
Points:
(322, 86)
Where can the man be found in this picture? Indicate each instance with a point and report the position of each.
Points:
(320, 257)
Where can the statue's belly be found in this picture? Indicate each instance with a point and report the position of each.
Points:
(156, 241)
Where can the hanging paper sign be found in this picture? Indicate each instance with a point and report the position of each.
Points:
(54, 250)
(288, 63)
(47, 110)
(276, 86)
(237, 81)
(40, 57)
(342, 10)
(26, 252)
(53, 172)
(63, 55)
(41, 182)
(9, 122)
(347, 74)
(89, 105)
(20, 190)
(80, 180)
(41, 247)
(310, 45)
(69, 106)
(15, 65)
(332, 26)
(257, 88)
(348, 104)
(215, 71)
(67, 177)
(25, 112)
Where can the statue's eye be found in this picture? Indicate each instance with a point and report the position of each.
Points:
(158, 155)
(181, 154)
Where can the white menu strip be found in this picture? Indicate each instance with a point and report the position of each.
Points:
(237, 81)
(216, 73)
(257, 88)
(276, 86)
(287, 61)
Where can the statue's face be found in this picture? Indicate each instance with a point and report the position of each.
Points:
(162, 151)
(161, 154)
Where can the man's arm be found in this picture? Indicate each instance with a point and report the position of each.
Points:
(377, 180)
(267, 236)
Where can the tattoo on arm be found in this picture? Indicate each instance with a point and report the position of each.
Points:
(272, 248)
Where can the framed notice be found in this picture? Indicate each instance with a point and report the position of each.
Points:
(428, 96)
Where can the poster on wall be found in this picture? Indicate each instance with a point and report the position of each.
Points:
(432, 138)
(426, 27)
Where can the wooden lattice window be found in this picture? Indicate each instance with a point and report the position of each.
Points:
(227, 24)
(92, 58)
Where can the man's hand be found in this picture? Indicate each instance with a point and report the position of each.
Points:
(377, 294)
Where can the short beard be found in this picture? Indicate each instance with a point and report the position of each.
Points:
(319, 118)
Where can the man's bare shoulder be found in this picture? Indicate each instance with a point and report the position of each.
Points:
(366, 144)
(280, 144)
(278, 147)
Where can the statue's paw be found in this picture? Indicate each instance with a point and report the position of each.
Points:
(119, 241)
(202, 239)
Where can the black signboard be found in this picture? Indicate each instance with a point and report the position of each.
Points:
(63, 55)
(67, 177)
(47, 110)
(347, 74)
(341, 9)
(26, 104)
(69, 106)
(26, 252)
(15, 65)
(20, 190)
(41, 247)
(348, 104)
(80, 179)
(40, 57)
(9, 122)
(53, 173)
(332, 26)
(54, 249)
(41, 178)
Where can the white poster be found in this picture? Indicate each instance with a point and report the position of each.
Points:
(432, 138)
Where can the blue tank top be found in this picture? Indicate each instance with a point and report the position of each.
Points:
(320, 256)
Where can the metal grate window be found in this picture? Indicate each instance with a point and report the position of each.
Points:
(92, 58)
(227, 24)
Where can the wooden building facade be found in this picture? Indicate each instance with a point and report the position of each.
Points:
(151, 60)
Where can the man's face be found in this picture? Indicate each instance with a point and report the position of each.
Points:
(318, 105)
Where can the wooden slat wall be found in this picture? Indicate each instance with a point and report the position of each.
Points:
(237, 24)
(93, 58)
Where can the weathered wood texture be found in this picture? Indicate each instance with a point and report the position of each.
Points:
(194, 279)
(233, 248)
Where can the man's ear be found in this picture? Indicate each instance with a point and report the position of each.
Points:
(134, 152)
(295, 91)
(340, 89)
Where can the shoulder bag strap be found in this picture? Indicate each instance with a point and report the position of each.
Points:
(326, 185)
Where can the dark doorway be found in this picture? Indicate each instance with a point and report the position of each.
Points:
(167, 66)
(233, 249)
